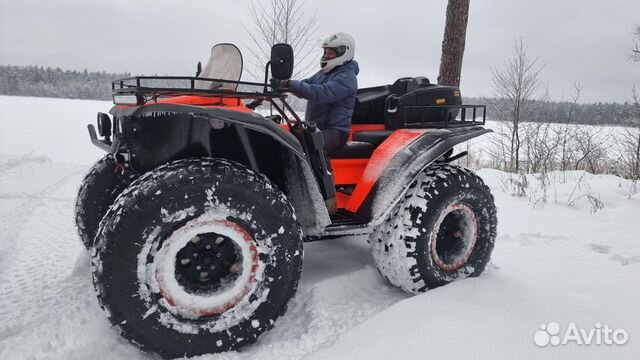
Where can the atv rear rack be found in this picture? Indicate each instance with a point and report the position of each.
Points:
(420, 116)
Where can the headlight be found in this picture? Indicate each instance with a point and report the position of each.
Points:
(104, 125)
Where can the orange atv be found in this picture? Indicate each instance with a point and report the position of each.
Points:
(197, 215)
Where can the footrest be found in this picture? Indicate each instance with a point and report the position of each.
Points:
(375, 137)
(354, 150)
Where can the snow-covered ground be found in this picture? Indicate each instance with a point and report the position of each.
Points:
(552, 263)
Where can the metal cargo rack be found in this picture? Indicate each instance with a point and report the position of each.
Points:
(417, 116)
(149, 88)
(139, 90)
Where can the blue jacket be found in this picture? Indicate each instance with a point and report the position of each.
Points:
(330, 97)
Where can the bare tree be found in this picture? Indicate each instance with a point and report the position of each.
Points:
(498, 151)
(455, 32)
(565, 131)
(515, 85)
(281, 21)
(630, 144)
(591, 143)
(635, 51)
(540, 144)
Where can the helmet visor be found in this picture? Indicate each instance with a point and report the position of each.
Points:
(338, 51)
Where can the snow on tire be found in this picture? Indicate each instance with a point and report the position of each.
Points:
(198, 256)
(98, 190)
(442, 230)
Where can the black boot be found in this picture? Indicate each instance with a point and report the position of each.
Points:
(332, 205)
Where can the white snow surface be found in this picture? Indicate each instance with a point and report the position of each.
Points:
(552, 263)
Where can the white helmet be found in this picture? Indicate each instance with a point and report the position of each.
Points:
(343, 45)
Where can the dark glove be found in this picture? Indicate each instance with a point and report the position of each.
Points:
(279, 85)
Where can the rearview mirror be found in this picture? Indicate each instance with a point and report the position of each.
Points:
(282, 61)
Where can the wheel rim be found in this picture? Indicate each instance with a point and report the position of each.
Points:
(188, 284)
(454, 237)
(207, 263)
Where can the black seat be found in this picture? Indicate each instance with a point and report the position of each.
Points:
(374, 137)
(369, 106)
(354, 150)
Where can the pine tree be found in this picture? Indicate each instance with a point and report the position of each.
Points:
(455, 32)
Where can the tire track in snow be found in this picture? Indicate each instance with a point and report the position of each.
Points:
(528, 239)
(15, 165)
(60, 319)
(48, 307)
(622, 259)
(39, 249)
(30, 243)
(13, 224)
(30, 196)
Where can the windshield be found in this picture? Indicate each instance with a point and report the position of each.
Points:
(225, 63)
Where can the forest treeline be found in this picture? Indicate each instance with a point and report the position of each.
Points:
(58, 83)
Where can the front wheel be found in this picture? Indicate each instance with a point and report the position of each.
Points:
(442, 230)
(98, 190)
(198, 256)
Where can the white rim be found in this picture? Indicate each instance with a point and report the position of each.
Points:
(469, 237)
(190, 305)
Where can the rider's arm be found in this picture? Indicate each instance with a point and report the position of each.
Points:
(337, 88)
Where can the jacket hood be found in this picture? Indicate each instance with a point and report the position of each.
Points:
(351, 65)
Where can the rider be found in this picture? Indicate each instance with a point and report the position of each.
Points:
(330, 94)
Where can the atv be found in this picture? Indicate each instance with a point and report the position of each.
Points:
(197, 215)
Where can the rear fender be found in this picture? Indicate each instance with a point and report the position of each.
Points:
(155, 134)
(406, 164)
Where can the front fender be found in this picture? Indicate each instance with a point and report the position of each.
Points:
(249, 120)
(159, 133)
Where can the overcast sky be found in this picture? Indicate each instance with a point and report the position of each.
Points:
(576, 40)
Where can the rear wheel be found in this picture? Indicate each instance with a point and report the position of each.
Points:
(198, 256)
(98, 190)
(443, 230)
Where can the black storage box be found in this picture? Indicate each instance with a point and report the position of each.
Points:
(370, 102)
(432, 106)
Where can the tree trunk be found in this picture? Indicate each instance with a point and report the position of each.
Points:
(517, 153)
(455, 31)
(636, 168)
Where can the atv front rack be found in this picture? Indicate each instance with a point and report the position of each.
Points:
(138, 90)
